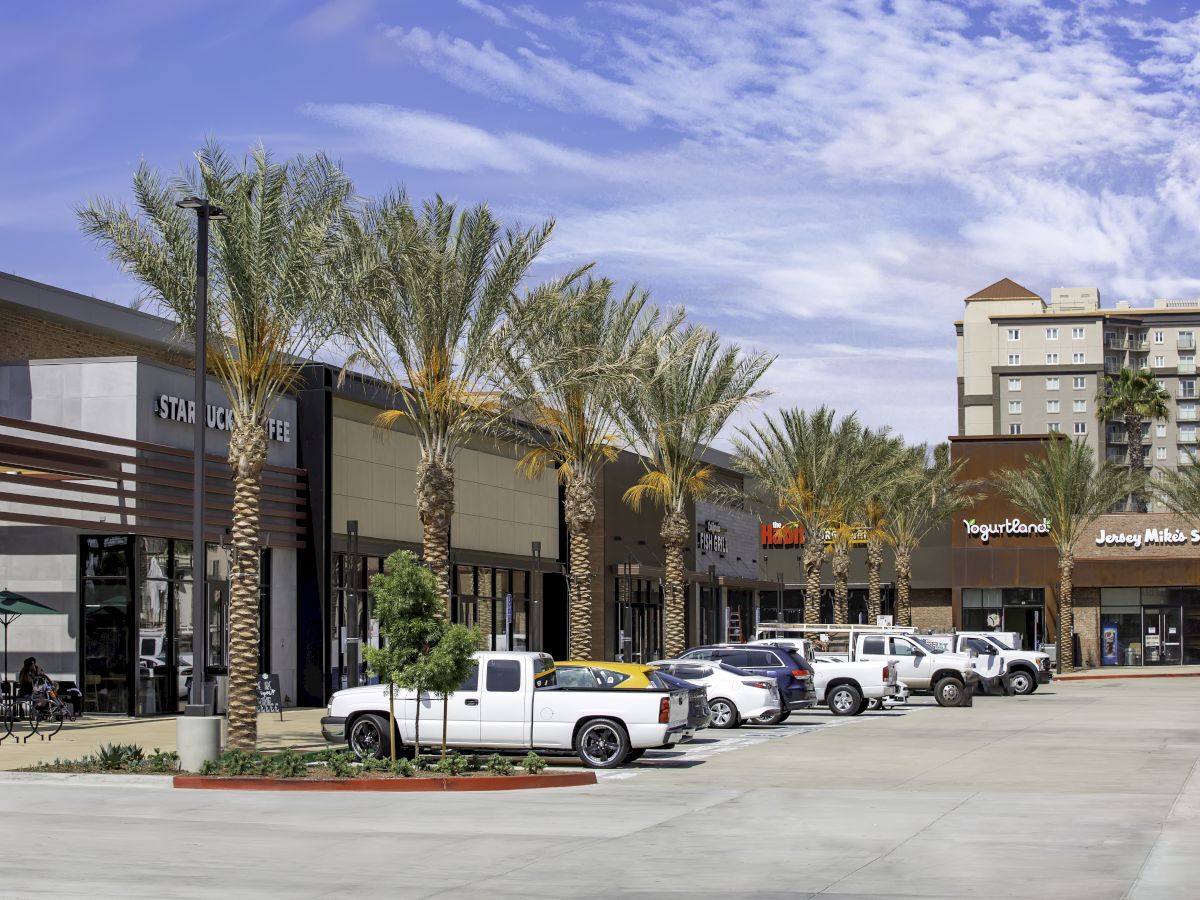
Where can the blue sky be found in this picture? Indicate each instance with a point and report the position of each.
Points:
(823, 180)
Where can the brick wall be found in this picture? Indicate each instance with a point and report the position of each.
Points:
(1087, 625)
(931, 608)
(25, 337)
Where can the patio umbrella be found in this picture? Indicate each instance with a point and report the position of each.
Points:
(12, 607)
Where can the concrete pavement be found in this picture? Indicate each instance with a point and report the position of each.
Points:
(1085, 789)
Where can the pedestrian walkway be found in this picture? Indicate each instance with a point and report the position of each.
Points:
(1131, 672)
(299, 730)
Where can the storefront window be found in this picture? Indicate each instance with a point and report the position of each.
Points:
(496, 601)
(1149, 626)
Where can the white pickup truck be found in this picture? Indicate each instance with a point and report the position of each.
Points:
(851, 688)
(952, 677)
(512, 702)
(1025, 669)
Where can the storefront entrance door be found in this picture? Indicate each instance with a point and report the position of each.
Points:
(1161, 635)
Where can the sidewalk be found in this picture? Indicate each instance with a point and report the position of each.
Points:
(1131, 672)
(299, 730)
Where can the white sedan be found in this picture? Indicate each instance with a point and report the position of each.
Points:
(733, 694)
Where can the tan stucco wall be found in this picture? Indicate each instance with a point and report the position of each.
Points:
(496, 509)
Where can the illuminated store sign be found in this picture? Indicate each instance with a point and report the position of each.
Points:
(219, 418)
(1008, 528)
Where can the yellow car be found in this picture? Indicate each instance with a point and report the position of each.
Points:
(589, 673)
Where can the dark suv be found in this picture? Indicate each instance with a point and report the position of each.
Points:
(789, 669)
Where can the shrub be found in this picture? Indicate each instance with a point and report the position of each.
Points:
(453, 764)
(211, 767)
(498, 765)
(338, 763)
(373, 764)
(243, 762)
(533, 764)
(402, 767)
(118, 756)
(288, 764)
(158, 761)
(422, 763)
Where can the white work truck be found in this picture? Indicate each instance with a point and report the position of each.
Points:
(951, 677)
(1025, 669)
(512, 702)
(851, 688)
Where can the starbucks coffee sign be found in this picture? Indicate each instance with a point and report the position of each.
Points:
(1009, 527)
(1149, 537)
(218, 418)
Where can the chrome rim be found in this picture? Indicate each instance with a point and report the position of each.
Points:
(950, 691)
(1020, 682)
(365, 738)
(842, 701)
(600, 743)
(721, 713)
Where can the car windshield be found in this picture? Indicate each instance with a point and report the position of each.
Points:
(997, 642)
(726, 667)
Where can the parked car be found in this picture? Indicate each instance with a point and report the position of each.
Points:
(577, 673)
(951, 677)
(848, 688)
(734, 696)
(1025, 669)
(791, 672)
(511, 702)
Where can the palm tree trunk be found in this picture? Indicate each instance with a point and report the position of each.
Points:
(675, 537)
(1137, 453)
(1066, 611)
(579, 509)
(435, 504)
(814, 558)
(247, 454)
(874, 564)
(903, 580)
(841, 583)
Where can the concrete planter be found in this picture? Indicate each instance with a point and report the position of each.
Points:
(415, 783)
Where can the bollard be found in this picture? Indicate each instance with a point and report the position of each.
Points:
(199, 740)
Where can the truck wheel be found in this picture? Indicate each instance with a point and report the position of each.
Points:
(863, 707)
(724, 713)
(949, 692)
(602, 744)
(368, 737)
(844, 700)
(770, 718)
(875, 704)
(1021, 682)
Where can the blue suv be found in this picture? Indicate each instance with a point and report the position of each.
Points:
(789, 669)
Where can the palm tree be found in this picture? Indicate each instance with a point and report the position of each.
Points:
(802, 461)
(1133, 396)
(270, 273)
(567, 370)
(884, 467)
(1066, 489)
(1179, 489)
(671, 421)
(917, 505)
(425, 298)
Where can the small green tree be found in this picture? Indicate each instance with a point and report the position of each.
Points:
(448, 665)
(408, 606)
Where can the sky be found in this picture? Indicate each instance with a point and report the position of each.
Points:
(821, 180)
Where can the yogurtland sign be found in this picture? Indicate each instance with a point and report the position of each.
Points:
(1009, 527)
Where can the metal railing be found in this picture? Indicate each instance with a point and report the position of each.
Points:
(1185, 343)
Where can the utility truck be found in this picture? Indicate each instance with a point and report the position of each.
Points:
(512, 702)
(1025, 669)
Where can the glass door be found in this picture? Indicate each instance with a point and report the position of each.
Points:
(1161, 637)
(108, 617)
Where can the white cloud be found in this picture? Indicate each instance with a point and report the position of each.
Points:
(331, 19)
(492, 13)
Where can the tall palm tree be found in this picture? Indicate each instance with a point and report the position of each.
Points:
(270, 275)
(933, 492)
(1179, 489)
(1066, 488)
(671, 422)
(1133, 396)
(802, 462)
(884, 466)
(568, 369)
(426, 294)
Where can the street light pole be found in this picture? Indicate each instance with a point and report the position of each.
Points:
(353, 634)
(205, 212)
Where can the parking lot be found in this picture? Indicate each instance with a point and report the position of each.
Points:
(1085, 789)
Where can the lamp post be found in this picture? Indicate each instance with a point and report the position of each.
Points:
(716, 606)
(205, 213)
(535, 639)
(350, 574)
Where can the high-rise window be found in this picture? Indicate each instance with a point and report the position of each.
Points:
(1077, 334)
(1014, 334)
(1081, 427)
(1052, 359)
(1052, 384)
(1158, 337)
(1160, 452)
(1079, 382)
(1014, 359)
(1078, 357)
(1052, 427)
(1052, 406)
(1160, 362)
(1160, 430)
(1014, 384)
(1052, 334)
(1079, 406)
(1014, 406)
(1014, 428)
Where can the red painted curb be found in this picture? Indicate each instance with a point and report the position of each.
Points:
(1134, 675)
(401, 785)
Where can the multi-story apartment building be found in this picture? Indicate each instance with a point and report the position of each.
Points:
(1026, 366)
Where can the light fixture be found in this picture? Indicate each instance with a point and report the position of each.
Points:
(190, 203)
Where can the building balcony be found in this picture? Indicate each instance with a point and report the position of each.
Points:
(1184, 393)
(1187, 368)
(1186, 343)
(1111, 367)
(1186, 415)
(1121, 436)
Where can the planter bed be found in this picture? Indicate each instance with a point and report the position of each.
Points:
(384, 782)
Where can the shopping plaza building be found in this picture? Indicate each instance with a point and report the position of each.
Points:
(96, 413)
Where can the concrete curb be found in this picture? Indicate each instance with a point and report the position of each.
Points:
(1133, 675)
(87, 779)
(399, 785)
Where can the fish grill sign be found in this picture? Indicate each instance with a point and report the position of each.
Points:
(985, 531)
(711, 536)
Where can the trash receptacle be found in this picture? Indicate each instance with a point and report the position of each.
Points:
(218, 688)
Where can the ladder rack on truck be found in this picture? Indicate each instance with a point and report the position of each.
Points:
(830, 639)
